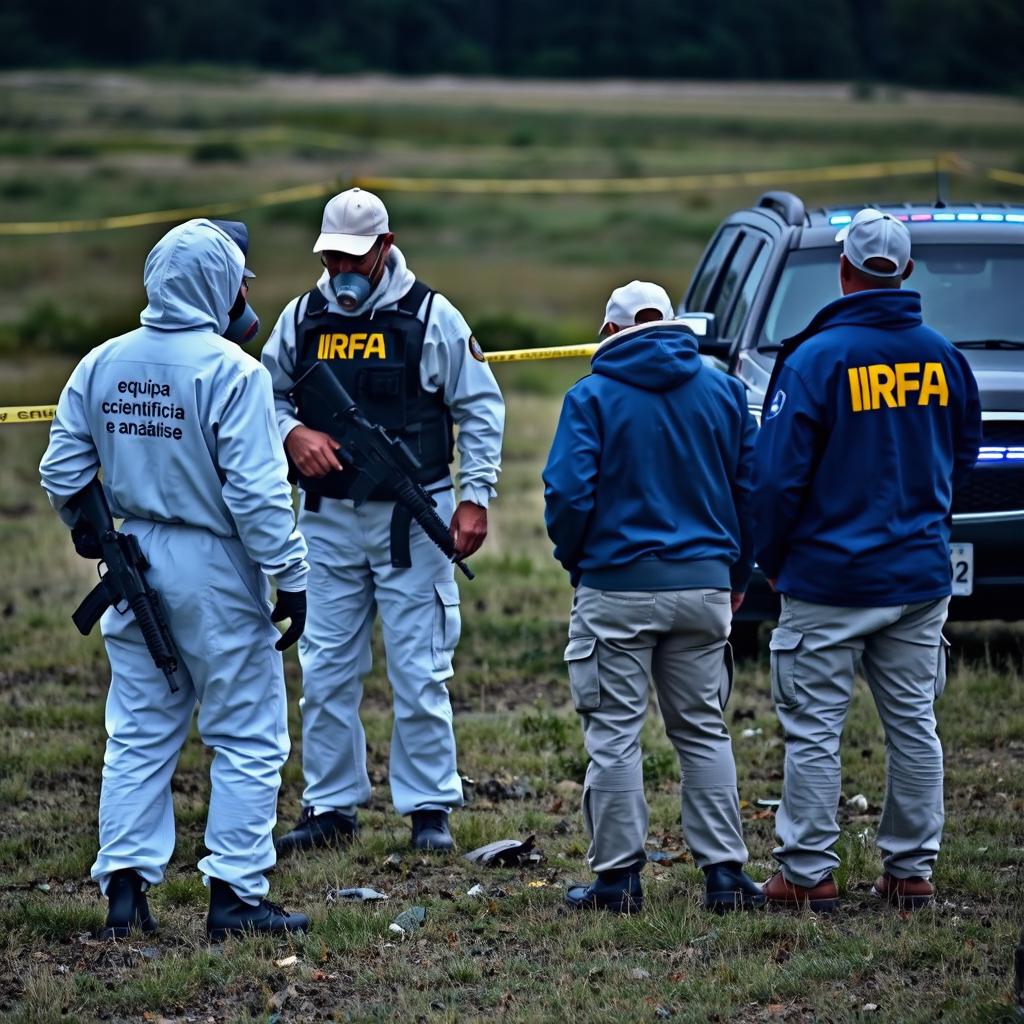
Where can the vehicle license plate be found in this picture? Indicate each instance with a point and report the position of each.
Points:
(961, 558)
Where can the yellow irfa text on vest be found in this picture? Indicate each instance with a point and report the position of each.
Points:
(896, 386)
(351, 346)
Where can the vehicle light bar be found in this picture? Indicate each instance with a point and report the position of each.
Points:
(840, 219)
(997, 453)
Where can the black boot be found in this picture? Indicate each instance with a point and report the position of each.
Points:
(313, 831)
(430, 831)
(617, 891)
(127, 907)
(728, 887)
(231, 915)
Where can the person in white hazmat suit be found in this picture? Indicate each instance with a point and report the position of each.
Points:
(181, 422)
(407, 358)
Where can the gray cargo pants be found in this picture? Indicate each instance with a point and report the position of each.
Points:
(814, 654)
(618, 641)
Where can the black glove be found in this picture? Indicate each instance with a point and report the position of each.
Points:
(86, 541)
(291, 604)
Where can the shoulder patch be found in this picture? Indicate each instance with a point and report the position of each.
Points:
(476, 351)
(778, 401)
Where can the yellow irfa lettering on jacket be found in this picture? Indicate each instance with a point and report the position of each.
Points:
(352, 346)
(897, 386)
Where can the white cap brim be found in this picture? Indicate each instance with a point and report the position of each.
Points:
(842, 233)
(351, 245)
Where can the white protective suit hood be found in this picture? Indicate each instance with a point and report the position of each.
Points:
(192, 278)
(395, 282)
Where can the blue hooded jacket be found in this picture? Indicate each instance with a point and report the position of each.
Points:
(647, 483)
(873, 421)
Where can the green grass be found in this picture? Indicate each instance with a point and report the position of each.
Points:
(529, 270)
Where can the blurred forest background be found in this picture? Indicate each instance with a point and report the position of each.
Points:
(930, 43)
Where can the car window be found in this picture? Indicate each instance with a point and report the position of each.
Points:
(968, 292)
(734, 274)
(703, 286)
(747, 291)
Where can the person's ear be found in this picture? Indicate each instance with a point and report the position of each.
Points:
(908, 271)
(609, 329)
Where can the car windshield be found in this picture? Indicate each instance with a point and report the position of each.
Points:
(968, 292)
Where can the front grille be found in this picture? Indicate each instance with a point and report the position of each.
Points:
(992, 488)
(1002, 432)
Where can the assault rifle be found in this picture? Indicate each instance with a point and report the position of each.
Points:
(380, 460)
(124, 582)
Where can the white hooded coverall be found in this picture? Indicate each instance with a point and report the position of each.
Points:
(351, 577)
(182, 423)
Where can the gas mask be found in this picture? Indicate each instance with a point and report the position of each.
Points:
(352, 289)
(243, 323)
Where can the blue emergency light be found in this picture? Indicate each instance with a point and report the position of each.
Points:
(997, 453)
(840, 219)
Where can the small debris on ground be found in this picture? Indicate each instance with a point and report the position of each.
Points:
(408, 921)
(360, 895)
(507, 852)
(666, 856)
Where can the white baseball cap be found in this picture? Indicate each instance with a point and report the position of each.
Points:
(876, 235)
(352, 222)
(632, 298)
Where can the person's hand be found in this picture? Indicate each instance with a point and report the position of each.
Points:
(736, 599)
(469, 528)
(312, 451)
(291, 604)
(772, 580)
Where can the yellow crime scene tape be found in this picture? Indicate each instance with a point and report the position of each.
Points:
(43, 413)
(520, 186)
(496, 186)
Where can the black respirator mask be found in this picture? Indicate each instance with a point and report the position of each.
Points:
(243, 323)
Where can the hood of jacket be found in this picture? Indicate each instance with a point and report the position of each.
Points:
(396, 280)
(891, 309)
(657, 356)
(192, 278)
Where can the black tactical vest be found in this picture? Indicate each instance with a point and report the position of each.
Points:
(377, 361)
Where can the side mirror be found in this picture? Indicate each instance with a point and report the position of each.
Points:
(706, 329)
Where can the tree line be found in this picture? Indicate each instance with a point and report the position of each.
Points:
(961, 44)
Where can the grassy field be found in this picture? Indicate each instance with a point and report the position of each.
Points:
(528, 268)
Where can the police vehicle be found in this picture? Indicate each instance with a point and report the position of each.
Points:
(768, 269)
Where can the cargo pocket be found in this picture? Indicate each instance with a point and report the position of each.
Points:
(942, 666)
(730, 667)
(581, 661)
(447, 625)
(784, 646)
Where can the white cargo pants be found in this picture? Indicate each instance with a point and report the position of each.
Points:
(618, 642)
(815, 652)
(219, 614)
(350, 578)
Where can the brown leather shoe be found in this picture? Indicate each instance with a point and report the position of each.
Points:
(823, 897)
(905, 893)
